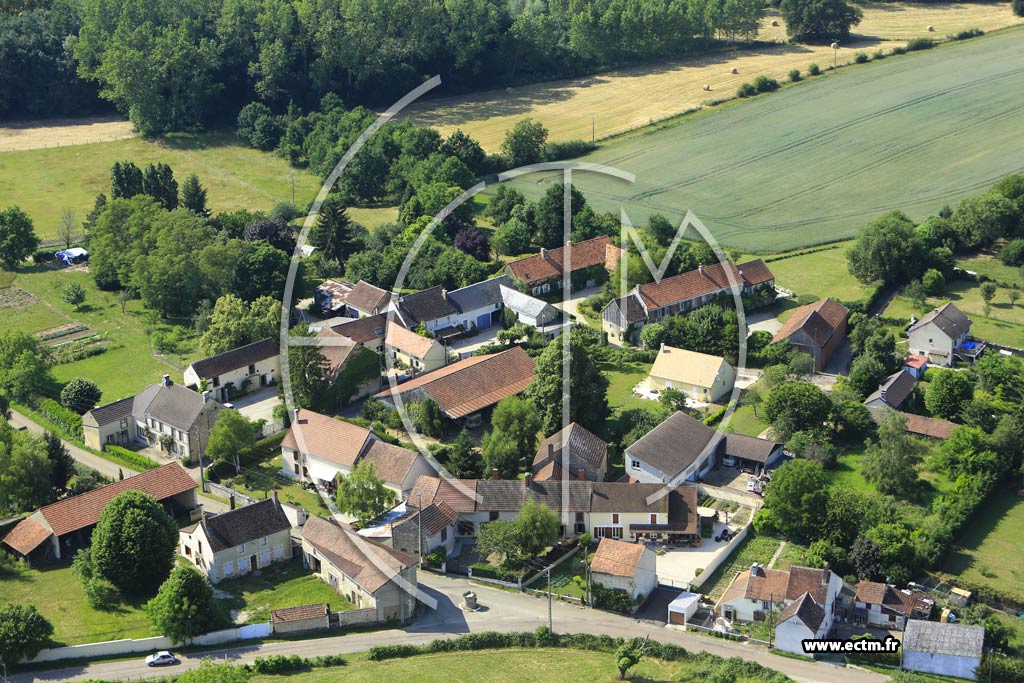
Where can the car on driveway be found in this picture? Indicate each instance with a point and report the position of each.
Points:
(162, 658)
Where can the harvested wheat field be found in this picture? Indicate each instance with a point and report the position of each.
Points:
(625, 99)
(812, 163)
(23, 135)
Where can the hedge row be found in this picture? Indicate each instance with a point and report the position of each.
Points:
(542, 637)
(67, 420)
(130, 458)
(281, 664)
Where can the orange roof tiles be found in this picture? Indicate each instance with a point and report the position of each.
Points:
(701, 282)
(279, 616)
(548, 264)
(408, 341)
(324, 437)
(617, 558)
(819, 320)
(27, 536)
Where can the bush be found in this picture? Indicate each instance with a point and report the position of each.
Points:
(484, 570)
(765, 84)
(969, 33)
(860, 57)
(1018, 7)
(746, 90)
(379, 653)
(436, 558)
(899, 50)
(69, 421)
(813, 69)
(139, 462)
(279, 664)
(570, 149)
(43, 256)
(1013, 253)
(878, 54)
(612, 599)
(920, 44)
(794, 75)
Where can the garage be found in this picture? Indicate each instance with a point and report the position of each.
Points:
(683, 608)
(483, 321)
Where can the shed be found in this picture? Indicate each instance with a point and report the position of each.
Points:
(683, 607)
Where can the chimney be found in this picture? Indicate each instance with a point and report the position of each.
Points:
(206, 396)
(231, 501)
(826, 574)
(551, 449)
(663, 349)
(276, 501)
(581, 474)
(202, 512)
(528, 480)
(295, 416)
(494, 474)
(167, 381)
(700, 268)
(543, 253)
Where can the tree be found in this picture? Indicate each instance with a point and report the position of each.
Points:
(232, 436)
(675, 400)
(948, 393)
(661, 229)
(886, 249)
(309, 371)
(890, 464)
(513, 436)
(933, 281)
(23, 632)
(798, 494)
(463, 460)
(537, 527)
(819, 21)
(1013, 295)
(588, 399)
(334, 233)
(183, 606)
(896, 549)
(363, 495)
(159, 183)
(524, 143)
(234, 323)
(1018, 7)
(80, 395)
(988, 292)
(123, 296)
(134, 544)
(473, 241)
(24, 365)
(427, 417)
(66, 227)
(62, 465)
(73, 293)
(796, 407)
(548, 215)
(801, 365)
(512, 237)
(125, 180)
(193, 195)
(274, 231)
(980, 221)
(498, 537)
(866, 374)
(917, 293)
(628, 655)
(997, 633)
(17, 237)
(866, 558)
(24, 471)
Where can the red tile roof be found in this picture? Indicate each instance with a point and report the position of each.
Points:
(368, 563)
(915, 361)
(26, 536)
(78, 512)
(548, 264)
(701, 282)
(818, 320)
(919, 424)
(617, 558)
(391, 463)
(324, 437)
(408, 341)
(472, 384)
(279, 616)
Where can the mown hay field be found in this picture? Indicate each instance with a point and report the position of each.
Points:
(44, 182)
(629, 98)
(812, 163)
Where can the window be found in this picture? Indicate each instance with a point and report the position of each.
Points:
(615, 518)
(766, 604)
(296, 468)
(635, 464)
(492, 516)
(200, 546)
(124, 423)
(241, 549)
(263, 541)
(216, 382)
(654, 518)
(444, 534)
(252, 369)
(110, 438)
(229, 568)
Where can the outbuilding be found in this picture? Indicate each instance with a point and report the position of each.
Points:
(683, 608)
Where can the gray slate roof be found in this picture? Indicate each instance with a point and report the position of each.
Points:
(749, 447)
(675, 444)
(112, 412)
(947, 318)
(214, 366)
(523, 304)
(426, 305)
(583, 445)
(173, 405)
(932, 637)
(894, 391)
(509, 496)
(479, 294)
(806, 610)
(245, 524)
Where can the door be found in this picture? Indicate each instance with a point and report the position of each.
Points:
(483, 321)
(252, 563)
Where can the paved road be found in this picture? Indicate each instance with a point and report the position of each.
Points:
(500, 611)
(103, 466)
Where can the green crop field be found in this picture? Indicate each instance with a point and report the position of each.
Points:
(44, 182)
(815, 161)
(991, 551)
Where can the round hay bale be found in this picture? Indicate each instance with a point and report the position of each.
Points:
(734, 70)
(707, 88)
(931, 29)
(775, 22)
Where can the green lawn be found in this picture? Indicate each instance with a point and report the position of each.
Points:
(262, 474)
(1003, 325)
(498, 666)
(46, 181)
(288, 584)
(754, 548)
(621, 380)
(907, 133)
(744, 422)
(991, 550)
(989, 265)
(57, 594)
(124, 369)
(819, 274)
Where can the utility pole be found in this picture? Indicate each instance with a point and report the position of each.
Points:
(593, 128)
(293, 187)
(771, 618)
(550, 623)
(419, 525)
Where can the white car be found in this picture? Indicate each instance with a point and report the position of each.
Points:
(162, 658)
(754, 486)
(728, 461)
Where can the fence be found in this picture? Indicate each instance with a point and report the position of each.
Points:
(129, 646)
(709, 570)
(357, 617)
(542, 572)
(507, 584)
(728, 494)
(225, 492)
(557, 596)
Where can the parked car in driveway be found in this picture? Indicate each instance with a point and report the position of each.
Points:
(728, 461)
(162, 658)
